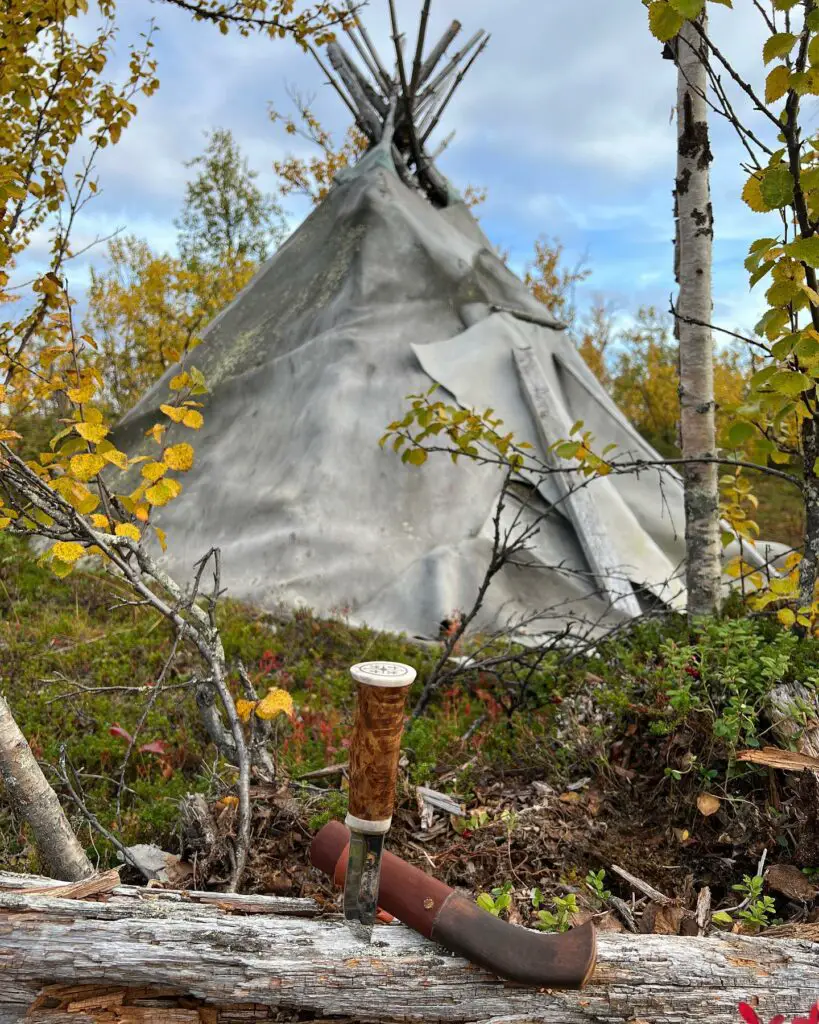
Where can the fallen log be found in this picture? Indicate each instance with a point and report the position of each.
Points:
(145, 956)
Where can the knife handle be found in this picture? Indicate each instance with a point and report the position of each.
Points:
(376, 743)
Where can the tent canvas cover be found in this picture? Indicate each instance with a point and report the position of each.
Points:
(388, 286)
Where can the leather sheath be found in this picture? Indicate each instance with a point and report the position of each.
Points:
(439, 913)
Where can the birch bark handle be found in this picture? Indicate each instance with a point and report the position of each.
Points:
(376, 743)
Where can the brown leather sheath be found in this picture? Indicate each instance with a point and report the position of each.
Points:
(443, 915)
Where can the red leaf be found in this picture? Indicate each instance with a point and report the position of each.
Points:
(117, 730)
(748, 1014)
(155, 747)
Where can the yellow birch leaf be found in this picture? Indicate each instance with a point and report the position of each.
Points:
(179, 457)
(86, 467)
(275, 702)
(162, 537)
(173, 412)
(93, 432)
(153, 471)
(156, 432)
(707, 804)
(786, 617)
(82, 394)
(752, 195)
(776, 84)
(76, 495)
(179, 381)
(192, 419)
(142, 513)
(4, 522)
(67, 551)
(163, 491)
(100, 522)
(116, 458)
(10, 435)
(244, 709)
(127, 530)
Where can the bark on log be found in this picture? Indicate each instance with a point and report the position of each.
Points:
(226, 967)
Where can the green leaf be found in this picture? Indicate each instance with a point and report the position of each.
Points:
(785, 5)
(762, 245)
(761, 379)
(740, 432)
(783, 348)
(485, 902)
(722, 918)
(812, 20)
(663, 21)
(776, 84)
(752, 194)
(761, 271)
(778, 45)
(790, 383)
(689, 9)
(807, 349)
(567, 449)
(416, 457)
(805, 249)
(776, 187)
(809, 179)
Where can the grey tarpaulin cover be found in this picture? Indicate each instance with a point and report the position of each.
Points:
(375, 296)
(391, 285)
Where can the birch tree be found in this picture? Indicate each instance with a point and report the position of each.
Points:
(779, 420)
(695, 238)
(60, 107)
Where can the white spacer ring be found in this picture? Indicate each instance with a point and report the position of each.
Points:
(383, 673)
(373, 828)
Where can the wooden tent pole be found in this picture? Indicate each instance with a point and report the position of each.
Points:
(456, 60)
(386, 81)
(426, 132)
(368, 114)
(419, 50)
(438, 51)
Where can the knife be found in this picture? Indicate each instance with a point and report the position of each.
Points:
(374, 751)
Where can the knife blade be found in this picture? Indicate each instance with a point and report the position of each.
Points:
(375, 747)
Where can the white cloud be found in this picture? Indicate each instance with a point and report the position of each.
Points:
(565, 118)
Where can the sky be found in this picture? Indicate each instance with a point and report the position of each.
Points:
(566, 120)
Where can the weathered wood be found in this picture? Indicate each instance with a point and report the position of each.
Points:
(240, 903)
(367, 114)
(315, 966)
(384, 77)
(436, 117)
(437, 52)
(31, 796)
(456, 60)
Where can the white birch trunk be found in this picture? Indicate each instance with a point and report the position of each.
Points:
(33, 799)
(695, 233)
